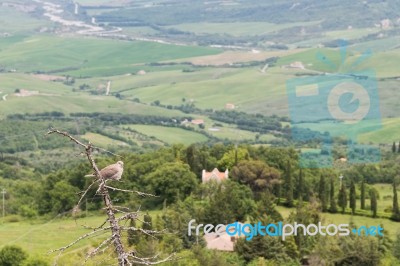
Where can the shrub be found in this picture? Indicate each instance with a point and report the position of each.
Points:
(12, 256)
(13, 219)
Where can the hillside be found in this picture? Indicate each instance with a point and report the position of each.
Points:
(175, 89)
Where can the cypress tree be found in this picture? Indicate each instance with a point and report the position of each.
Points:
(147, 223)
(394, 147)
(374, 204)
(352, 197)
(362, 195)
(278, 193)
(332, 207)
(300, 186)
(342, 198)
(289, 186)
(133, 235)
(396, 210)
(322, 193)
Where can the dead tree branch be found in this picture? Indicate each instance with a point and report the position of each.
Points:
(124, 257)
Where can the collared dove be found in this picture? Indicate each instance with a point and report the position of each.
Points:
(113, 171)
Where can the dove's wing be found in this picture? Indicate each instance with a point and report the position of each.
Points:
(109, 171)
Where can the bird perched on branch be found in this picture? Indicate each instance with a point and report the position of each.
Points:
(113, 171)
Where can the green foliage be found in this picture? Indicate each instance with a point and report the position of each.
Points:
(257, 175)
(289, 185)
(351, 250)
(12, 256)
(362, 196)
(305, 214)
(176, 220)
(352, 197)
(255, 123)
(172, 181)
(147, 222)
(231, 202)
(266, 209)
(374, 205)
(148, 247)
(268, 247)
(63, 197)
(27, 211)
(342, 198)
(396, 209)
(332, 207)
(396, 246)
(172, 243)
(204, 256)
(232, 157)
(322, 193)
(133, 235)
(262, 262)
(199, 158)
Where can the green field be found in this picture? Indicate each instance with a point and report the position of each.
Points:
(386, 135)
(38, 237)
(102, 141)
(350, 34)
(88, 56)
(385, 201)
(170, 135)
(238, 28)
(78, 103)
(250, 90)
(15, 21)
(390, 226)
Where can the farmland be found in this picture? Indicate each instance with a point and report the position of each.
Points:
(88, 56)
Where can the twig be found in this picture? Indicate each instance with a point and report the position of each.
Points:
(96, 250)
(106, 151)
(80, 238)
(130, 191)
(150, 233)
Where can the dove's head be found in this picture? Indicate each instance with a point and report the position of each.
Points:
(121, 163)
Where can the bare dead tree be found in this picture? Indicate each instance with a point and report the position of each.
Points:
(125, 257)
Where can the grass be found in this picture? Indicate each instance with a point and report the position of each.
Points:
(383, 63)
(102, 141)
(248, 89)
(18, 22)
(229, 57)
(170, 135)
(55, 96)
(238, 28)
(386, 135)
(385, 196)
(320, 59)
(390, 227)
(351, 34)
(78, 103)
(12, 81)
(384, 202)
(90, 56)
(140, 31)
(37, 237)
